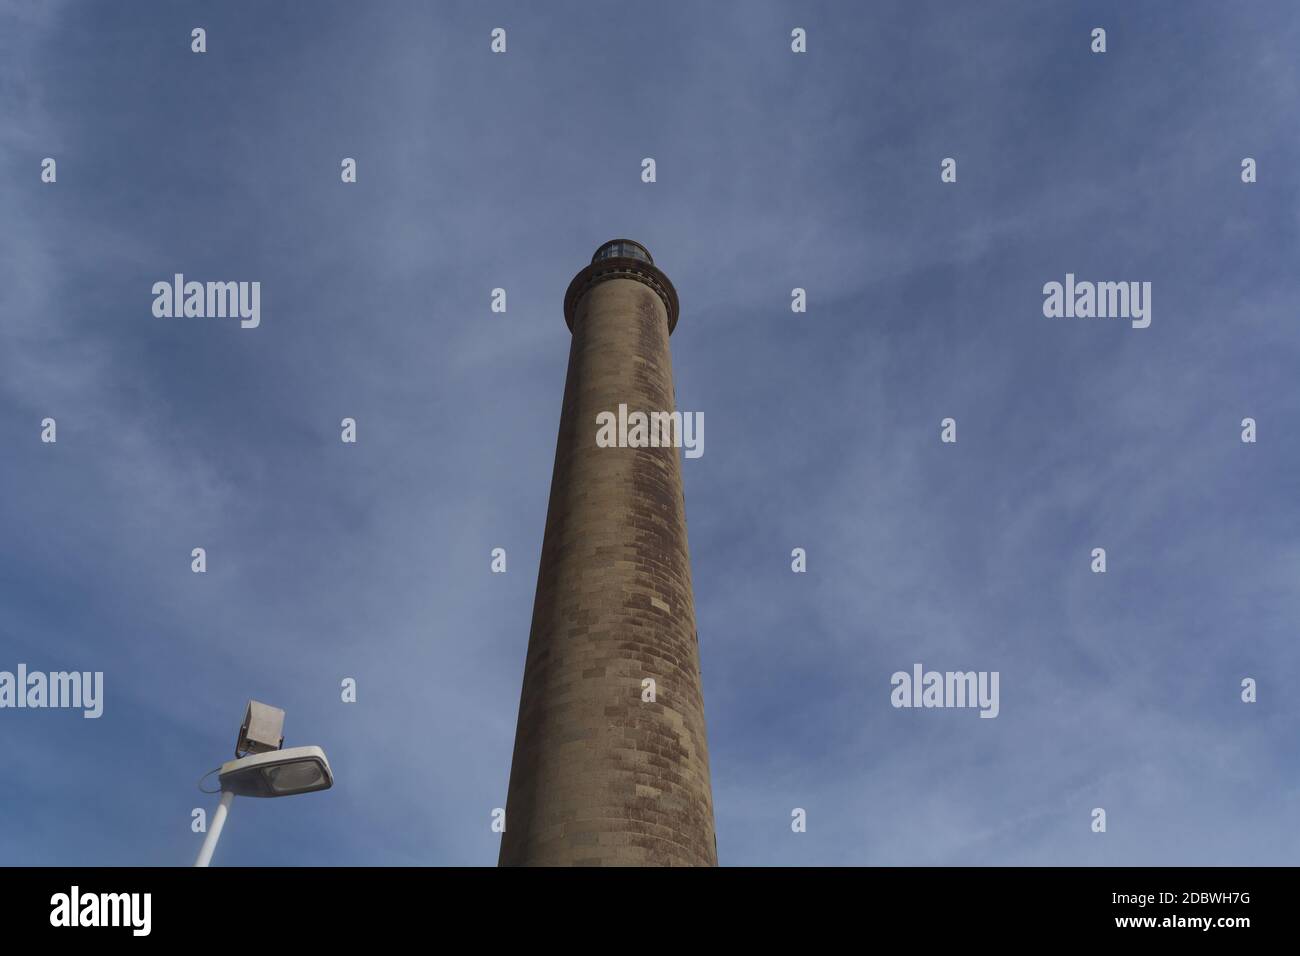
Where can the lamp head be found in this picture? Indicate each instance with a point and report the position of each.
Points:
(279, 773)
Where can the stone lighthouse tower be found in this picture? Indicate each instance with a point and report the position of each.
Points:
(602, 774)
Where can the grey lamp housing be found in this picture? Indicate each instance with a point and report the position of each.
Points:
(262, 729)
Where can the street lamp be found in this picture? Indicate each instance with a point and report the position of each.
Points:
(262, 769)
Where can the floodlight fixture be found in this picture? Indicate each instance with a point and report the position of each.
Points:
(262, 729)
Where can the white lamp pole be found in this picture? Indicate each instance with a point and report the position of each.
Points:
(214, 831)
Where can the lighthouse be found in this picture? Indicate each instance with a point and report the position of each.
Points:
(611, 763)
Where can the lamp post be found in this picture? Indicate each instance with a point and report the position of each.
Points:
(262, 769)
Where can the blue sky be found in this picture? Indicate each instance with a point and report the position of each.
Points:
(775, 170)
